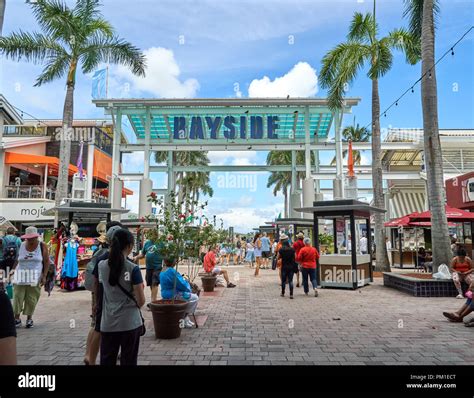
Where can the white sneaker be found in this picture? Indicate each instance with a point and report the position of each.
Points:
(188, 323)
(459, 296)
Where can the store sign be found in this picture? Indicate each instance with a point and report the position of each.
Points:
(25, 210)
(229, 127)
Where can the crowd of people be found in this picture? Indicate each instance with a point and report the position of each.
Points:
(117, 285)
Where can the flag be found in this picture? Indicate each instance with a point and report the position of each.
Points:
(79, 161)
(99, 83)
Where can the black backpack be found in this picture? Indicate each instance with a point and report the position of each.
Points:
(10, 250)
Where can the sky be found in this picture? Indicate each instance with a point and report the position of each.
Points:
(244, 48)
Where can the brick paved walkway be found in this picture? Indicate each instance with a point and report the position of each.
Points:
(252, 325)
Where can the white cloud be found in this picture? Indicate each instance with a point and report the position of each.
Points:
(243, 219)
(300, 81)
(245, 201)
(162, 77)
(232, 157)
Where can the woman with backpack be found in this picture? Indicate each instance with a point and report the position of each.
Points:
(29, 275)
(123, 295)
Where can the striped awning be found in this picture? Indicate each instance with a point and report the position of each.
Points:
(403, 203)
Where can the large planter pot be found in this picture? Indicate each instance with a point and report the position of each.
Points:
(167, 316)
(208, 283)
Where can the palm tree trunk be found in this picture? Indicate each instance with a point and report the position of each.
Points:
(432, 146)
(381, 258)
(65, 143)
(2, 14)
(285, 210)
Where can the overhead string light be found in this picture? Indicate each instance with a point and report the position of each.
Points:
(427, 73)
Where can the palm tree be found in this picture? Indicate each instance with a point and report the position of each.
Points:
(339, 68)
(422, 16)
(186, 180)
(282, 179)
(71, 38)
(354, 134)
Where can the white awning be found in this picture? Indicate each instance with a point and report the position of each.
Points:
(404, 202)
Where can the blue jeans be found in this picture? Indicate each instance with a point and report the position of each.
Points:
(287, 274)
(311, 273)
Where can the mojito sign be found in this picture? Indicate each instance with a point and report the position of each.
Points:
(229, 127)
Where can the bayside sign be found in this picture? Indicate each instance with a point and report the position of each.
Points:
(197, 127)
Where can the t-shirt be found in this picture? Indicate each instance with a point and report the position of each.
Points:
(209, 261)
(265, 244)
(119, 312)
(287, 255)
(167, 283)
(153, 258)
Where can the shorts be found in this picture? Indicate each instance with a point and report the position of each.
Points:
(216, 270)
(266, 254)
(152, 277)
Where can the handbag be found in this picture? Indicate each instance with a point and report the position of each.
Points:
(274, 262)
(131, 297)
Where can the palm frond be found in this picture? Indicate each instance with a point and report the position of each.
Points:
(116, 51)
(414, 12)
(404, 41)
(55, 68)
(382, 59)
(55, 18)
(361, 28)
(31, 47)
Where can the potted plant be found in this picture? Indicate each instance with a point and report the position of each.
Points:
(178, 240)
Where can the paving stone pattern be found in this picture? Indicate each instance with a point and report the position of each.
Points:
(252, 325)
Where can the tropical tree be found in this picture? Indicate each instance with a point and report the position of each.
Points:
(340, 67)
(282, 179)
(422, 16)
(354, 134)
(187, 182)
(71, 38)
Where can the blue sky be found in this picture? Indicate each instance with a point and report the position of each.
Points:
(205, 48)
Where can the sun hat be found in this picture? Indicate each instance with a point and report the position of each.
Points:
(102, 238)
(30, 233)
(300, 235)
(111, 232)
(283, 237)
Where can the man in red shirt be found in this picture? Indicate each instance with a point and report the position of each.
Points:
(308, 257)
(210, 263)
(298, 245)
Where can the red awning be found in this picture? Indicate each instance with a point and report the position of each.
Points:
(452, 214)
(125, 192)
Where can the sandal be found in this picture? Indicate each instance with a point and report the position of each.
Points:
(452, 317)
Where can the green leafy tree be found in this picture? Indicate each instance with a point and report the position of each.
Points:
(71, 38)
(340, 67)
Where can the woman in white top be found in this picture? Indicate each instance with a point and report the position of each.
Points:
(250, 256)
(29, 274)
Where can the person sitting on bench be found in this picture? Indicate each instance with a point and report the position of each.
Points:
(210, 263)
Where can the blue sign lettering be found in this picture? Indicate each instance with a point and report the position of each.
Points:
(256, 127)
(229, 123)
(196, 128)
(179, 125)
(214, 125)
(272, 126)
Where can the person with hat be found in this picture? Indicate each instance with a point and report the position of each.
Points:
(298, 245)
(93, 338)
(29, 275)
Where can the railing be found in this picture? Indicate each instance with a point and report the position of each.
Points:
(15, 130)
(28, 192)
